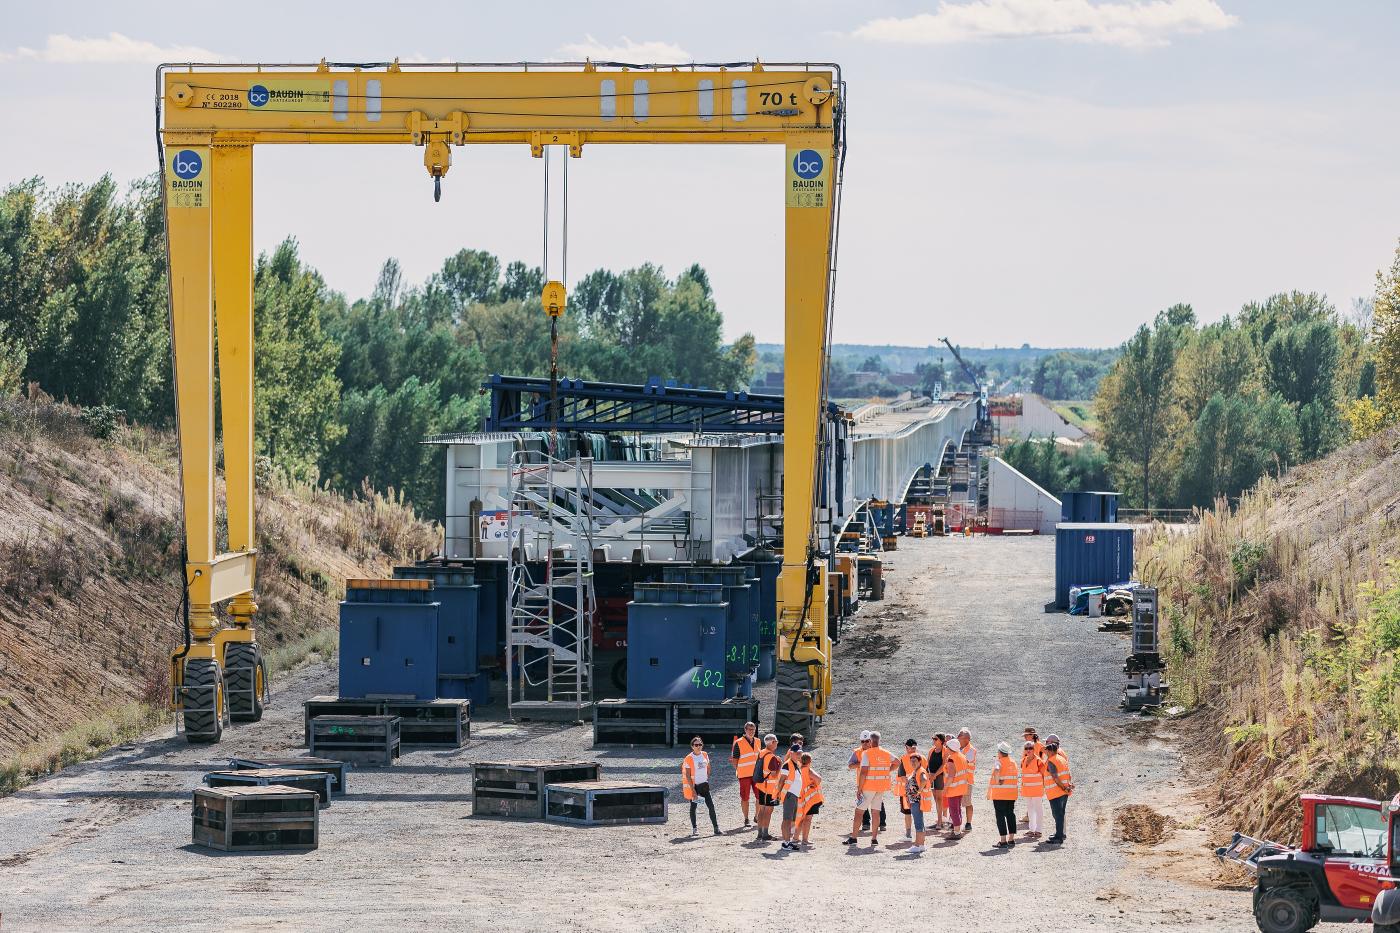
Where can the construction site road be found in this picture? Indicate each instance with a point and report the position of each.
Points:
(960, 640)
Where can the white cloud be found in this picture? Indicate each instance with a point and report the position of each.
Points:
(1132, 23)
(114, 49)
(640, 53)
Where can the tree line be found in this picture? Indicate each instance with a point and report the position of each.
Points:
(1192, 413)
(344, 390)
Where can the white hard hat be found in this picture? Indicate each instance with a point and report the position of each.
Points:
(953, 745)
(865, 735)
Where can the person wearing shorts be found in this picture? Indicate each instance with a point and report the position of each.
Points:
(765, 785)
(790, 789)
(743, 755)
(811, 802)
(872, 780)
(937, 775)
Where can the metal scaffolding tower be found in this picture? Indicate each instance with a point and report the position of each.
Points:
(549, 643)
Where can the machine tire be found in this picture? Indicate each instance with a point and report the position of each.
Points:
(203, 683)
(244, 666)
(793, 677)
(1285, 910)
(619, 675)
(877, 590)
(1386, 928)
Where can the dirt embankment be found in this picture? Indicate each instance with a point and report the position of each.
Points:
(90, 546)
(1281, 619)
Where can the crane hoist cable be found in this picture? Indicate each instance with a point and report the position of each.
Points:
(553, 297)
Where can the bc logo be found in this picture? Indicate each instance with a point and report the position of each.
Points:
(187, 164)
(807, 163)
(257, 95)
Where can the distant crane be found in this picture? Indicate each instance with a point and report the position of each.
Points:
(972, 376)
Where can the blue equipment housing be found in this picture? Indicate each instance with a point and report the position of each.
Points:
(676, 642)
(455, 589)
(388, 641)
(741, 592)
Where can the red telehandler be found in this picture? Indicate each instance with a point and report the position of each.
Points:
(1345, 870)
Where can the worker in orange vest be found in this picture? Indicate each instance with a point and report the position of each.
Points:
(811, 803)
(765, 784)
(919, 795)
(1002, 789)
(872, 783)
(792, 784)
(743, 755)
(957, 786)
(1032, 787)
(1058, 786)
(695, 782)
(854, 765)
(901, 783)
(969, 751)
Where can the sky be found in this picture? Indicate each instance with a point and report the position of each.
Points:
(1050, 172)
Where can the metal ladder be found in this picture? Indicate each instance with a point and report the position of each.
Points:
(549, 640)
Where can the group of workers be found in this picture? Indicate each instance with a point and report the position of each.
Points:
(937, 782)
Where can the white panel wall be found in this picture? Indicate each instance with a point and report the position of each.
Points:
(1011, 490)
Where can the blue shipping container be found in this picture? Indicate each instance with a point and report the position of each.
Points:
(676, 642)
(456, 590)
(742, 594)
(1090, 507)
(388, 643)
(1091, 554)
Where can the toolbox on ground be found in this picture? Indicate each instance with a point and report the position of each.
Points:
(632, 722)
(718, 724)
(255, 819)
(319, 782)
(517, 788)
(338, 770)
(371, 741)
(605, 803)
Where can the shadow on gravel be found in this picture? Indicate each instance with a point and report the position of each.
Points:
(215, 853)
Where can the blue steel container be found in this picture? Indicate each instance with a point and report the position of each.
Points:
(676, 642)
(456, 590)
(768, 572)
(741, 592)
(1091, 554)
(1090, 507)
(388, 640)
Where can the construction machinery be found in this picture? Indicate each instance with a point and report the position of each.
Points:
(1345, 869)
(1145, 666)
(210, 118)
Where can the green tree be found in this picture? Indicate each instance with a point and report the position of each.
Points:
(471, 276)
(1235, 441)
(297, 394)
(1138, 404)
(1386, 332)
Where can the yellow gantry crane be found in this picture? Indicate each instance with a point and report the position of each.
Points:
(210, 118)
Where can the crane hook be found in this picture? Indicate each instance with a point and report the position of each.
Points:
(437, 188)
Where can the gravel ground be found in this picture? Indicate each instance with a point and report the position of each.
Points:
(960, 640)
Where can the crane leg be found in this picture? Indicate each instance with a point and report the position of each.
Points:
(245, 680)
(804, 649)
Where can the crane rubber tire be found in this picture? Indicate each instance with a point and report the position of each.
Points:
(1286, 910)
(204, 721)
(789, 717)
(243, 669)
(618, 675)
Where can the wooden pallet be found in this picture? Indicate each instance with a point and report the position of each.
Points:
(255, 819)
(368, 741)
(318, 782)
(516, 789)
(633, 723)
(716, 723)
(338, 770)
(605, 803)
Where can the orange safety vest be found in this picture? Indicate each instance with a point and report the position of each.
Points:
(906, 768)
(958, 778)
(878, 764)
(746, 751)
(811, 794)
(688, 774)
(793, 780)
(1053, 791)
(765, 780)
(1005, 779)
(924, 781)
(1032, 775)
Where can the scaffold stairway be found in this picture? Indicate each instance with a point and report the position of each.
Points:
(549, 644)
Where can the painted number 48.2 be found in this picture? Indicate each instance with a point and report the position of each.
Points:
(709, 678)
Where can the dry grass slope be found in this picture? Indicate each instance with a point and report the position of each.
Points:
(90, 571)
(1283, 624)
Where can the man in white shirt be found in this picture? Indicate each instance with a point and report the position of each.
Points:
(970, 753)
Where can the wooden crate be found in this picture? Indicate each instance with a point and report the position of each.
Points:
(717, 723)
(438, 723)
(318, 782)
(632, 722)
(336, 706)
(368, 741)
(516, 788)
(338, 770)
(255, 819)
(605, 803)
